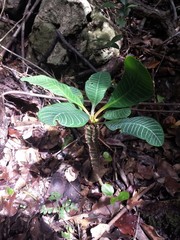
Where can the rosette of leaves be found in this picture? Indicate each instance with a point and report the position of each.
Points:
(135, 86)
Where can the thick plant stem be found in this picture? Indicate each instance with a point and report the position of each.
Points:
(91, 136)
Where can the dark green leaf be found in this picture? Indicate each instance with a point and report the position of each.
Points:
(142, 127)
(112, 42)
(136, 86)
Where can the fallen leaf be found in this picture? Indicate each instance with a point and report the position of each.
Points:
(96, 232)
(164, 169)
(152, 64)
(150, 231)
(127, 223)
(104, 208)
(171, 185)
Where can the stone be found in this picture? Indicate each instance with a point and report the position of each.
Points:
(70, 18)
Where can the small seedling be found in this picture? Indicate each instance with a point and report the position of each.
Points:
(68, 234)
(107, 157)
(61, 209)
(123, 12)
(108, 190)
(135, 86)
(55, 196)
(10, 191)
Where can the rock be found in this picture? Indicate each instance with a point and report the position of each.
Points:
(96, 35)
(70, 18)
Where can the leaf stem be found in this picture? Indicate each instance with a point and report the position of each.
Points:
(85, 110)
(99, 111)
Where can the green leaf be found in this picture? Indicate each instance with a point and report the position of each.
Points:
(113, 200)
(65, 114)
(123, 196)
(55, 87)
(43, 210)
(121, 21)
(136, 86)
(124, 2)
(55, 196)
(107, 157)
(62, 213)
(112, 42)
(78, 93)
(160, 98)
(10, 191)
(107, 189)
(142, 127)
(96, 87)
(116, 114)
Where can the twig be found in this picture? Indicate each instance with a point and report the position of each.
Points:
(25, 18)
(103, 102)
(22, 34)
(159, 104)
(161, 16)
(32, 95)
(29, 62)
(15, 25)
(174, 9)
(3, 7)
(63, 40)
(7, 20)
(171, 38)
(155, 110)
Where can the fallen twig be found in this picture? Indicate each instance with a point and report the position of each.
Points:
(24, 19)
(68, 45)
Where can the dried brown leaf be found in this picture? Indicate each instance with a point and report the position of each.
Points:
(150, 231)
(127, 223)
(171, 185)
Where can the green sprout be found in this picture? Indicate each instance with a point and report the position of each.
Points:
(108, 190)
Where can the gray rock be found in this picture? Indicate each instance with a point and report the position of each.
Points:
(69, 17)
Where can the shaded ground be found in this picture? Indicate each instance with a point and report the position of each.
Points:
(40, 160)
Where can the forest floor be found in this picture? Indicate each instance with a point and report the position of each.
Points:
(43, 167)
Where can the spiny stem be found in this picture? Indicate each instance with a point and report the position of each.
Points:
(91, 136)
